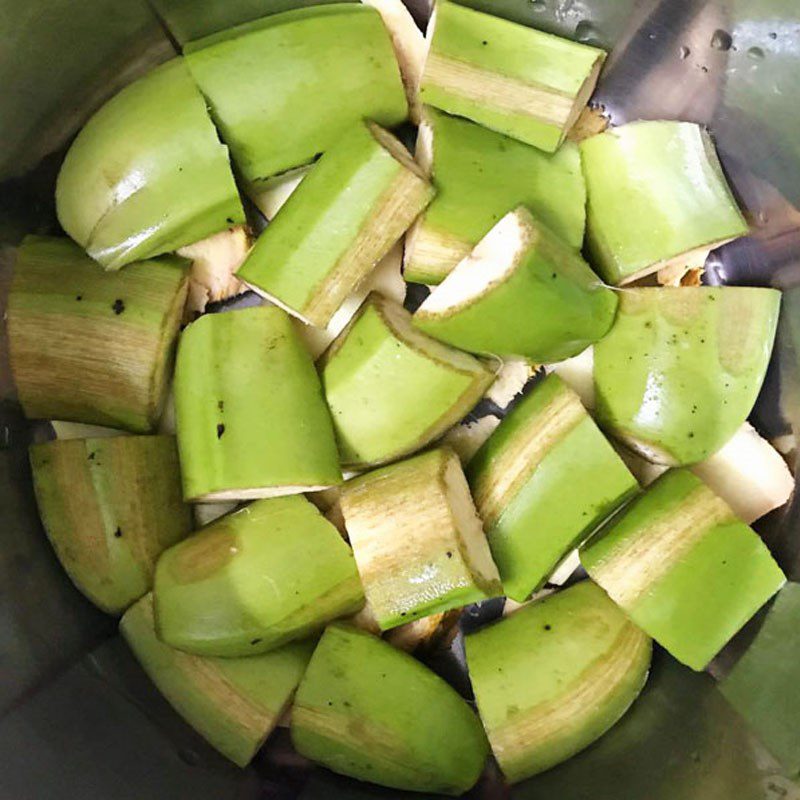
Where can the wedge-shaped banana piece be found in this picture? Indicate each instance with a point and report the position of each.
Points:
(110, 507)
(147, 174)
(480, 176)
(391, 389)
(251, 419)
(88, 346)
(234, 703)
(354, 205)
(681, 369)
(513, 79)
(658, 200)
(329, 67)
(270, 573)
(545, 479)
(367, 710)
(521, 292)
(418, 543)
(554, 676)
(763, 685)
(683, 567)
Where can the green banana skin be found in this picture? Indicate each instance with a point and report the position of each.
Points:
(110, 507)
(683, 567)
(234, 588)
(89, 346)
(563, 485)
(681, 369)
(554, 676)
(236, 374)
(139, 181)
(234, 703)
(515, 80)
(521, 293)
(657, 197)
(367, 710)
(347, 58)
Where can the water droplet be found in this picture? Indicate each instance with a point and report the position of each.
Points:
(721, 40)
(538, 5)
(756, 53)
(684, 53)
(762, 218)
(584, 31)
(652, 36)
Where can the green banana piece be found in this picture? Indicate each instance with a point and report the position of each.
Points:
(522, 292)
(516, 80)
(234, 703)
(147, 174)
(683, 567)
(110, 507)
(343, 219)
(658, 200)
(272, 572)
(252, 421)
(89, 346)
(554, 676)
(367, 710)
(762, 687)
(544, 481)
(682, 367)
(391, 389)
(417, 540)
(284, 88)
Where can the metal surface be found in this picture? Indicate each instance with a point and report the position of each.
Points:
(81, 720)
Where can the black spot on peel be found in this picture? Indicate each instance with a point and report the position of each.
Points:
(548, 627)
(229, 220)
(91, 456)
(79, 297)
(256, 641)
(118, 533)
(220, 430)
(221, 405)
(449, 554)
(119, 306)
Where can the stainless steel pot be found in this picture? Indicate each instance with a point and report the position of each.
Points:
(77, 717)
